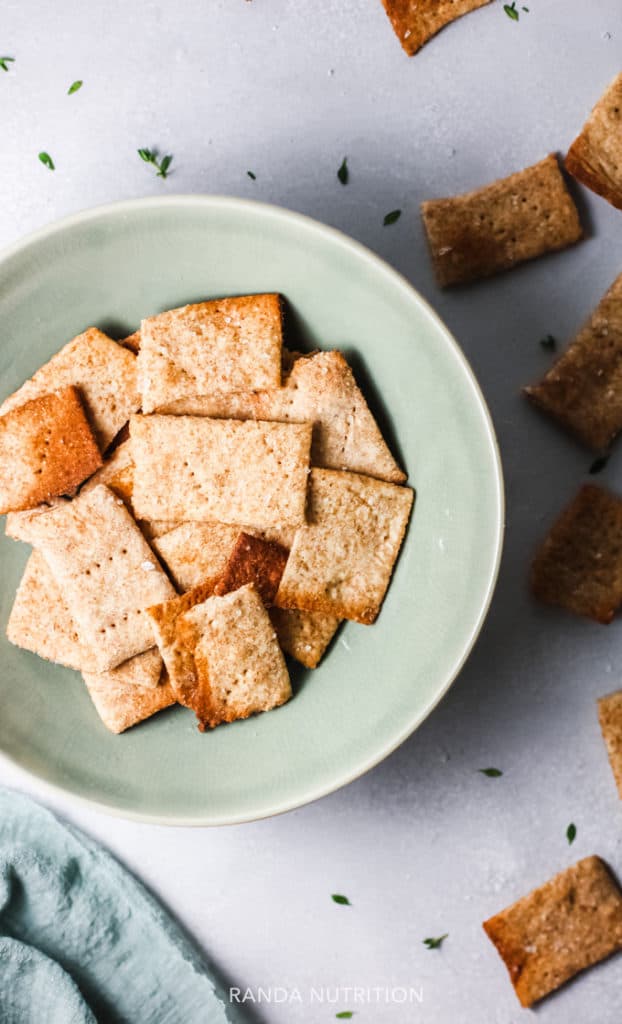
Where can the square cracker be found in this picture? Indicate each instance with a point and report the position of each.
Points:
(320, 389)
(579, 564)
(106, 571)
(501, 225)
(41, 622)
(304, 635)
(104, 373)
(571, 922)
(595, 156)
(120, 705)
(47, 448)
(583, 389)
(224, 345)
(416, 21)
(237, 664)
(341, 561)
(610, 718)
(194, 468)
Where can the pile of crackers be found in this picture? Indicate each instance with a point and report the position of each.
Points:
(199, 501)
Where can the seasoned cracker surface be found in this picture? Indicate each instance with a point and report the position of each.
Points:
(501, 225)
(304, 635)
(595, 157)
(569, 923)
(610, 718)
(47, 449)
(195, 552)
(106, 571)
(256, 561)
(103, 372)
(416, 21)
(341, 561)
(195, 468)
(225, 345)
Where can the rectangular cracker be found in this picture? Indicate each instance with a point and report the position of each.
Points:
(103, 372)
(579, 564)
(194, 468)
(416, 21)
(583, 389)
(256, 561)
(41, 622)
(225, 345)
(610, 718)
(320, 389)
(496, 227)
(120, 705)
(595, 156)
(304, 635)
(237, 663)
(341, 561)
(568, 924)
(106, 571)
(47, 448)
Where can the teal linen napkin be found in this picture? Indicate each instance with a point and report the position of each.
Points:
(81, 941)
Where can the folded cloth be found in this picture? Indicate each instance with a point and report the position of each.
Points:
(81, 941)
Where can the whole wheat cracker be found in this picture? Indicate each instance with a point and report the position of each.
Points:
(610, 718)
(568, 924)
(132, 341)
(253, 560)
(583, 389)
(106, 571)
(47, 449)
(416, 21)
(579, 564)
(104, 373)
(195, 468)
(17, 524)
(304, 635)
(41, 622)
(595, 156)
(120, 705)
(320, 389)
(501, 225)
(224, 345)
(341, 561)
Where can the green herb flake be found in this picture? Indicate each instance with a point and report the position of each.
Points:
(548, 342)
(75, 86)
(435, 943)
(345, 1015)
(599, 464)
(47, 161)
(343, 173)
(343, 901)
(492, 773)
(5, 61)
(392, 217)
(510, 10)
(252, 176)
(571, 833)
(150, 156)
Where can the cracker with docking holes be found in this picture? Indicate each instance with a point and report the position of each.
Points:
(595, 156)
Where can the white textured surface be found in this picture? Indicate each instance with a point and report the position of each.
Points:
(423, 844)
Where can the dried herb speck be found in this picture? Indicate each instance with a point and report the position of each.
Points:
(343, 901)
(435, 943)
(343, 173)
(492, 773)
(392, 217)
(571, 833)
(47, 161)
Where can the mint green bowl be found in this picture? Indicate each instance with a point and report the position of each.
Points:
(115, 264)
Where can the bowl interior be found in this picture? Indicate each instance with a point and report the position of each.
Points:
(110, 267)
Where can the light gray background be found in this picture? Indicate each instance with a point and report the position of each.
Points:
(285, 88)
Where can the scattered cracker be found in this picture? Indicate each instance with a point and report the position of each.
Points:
(569, 923)
(104, 373)
(320, 389)
(416, 21)
(121, 705)
(496, 227)
(194, 468)
(256, 561)
(341, 561)
(304, 635)
(47, 449)
(579, 565)
(106, 571)
(583, 389)
(595, 157)
(41, 622)
(610, 718)
(225, 345)
(238, 665)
